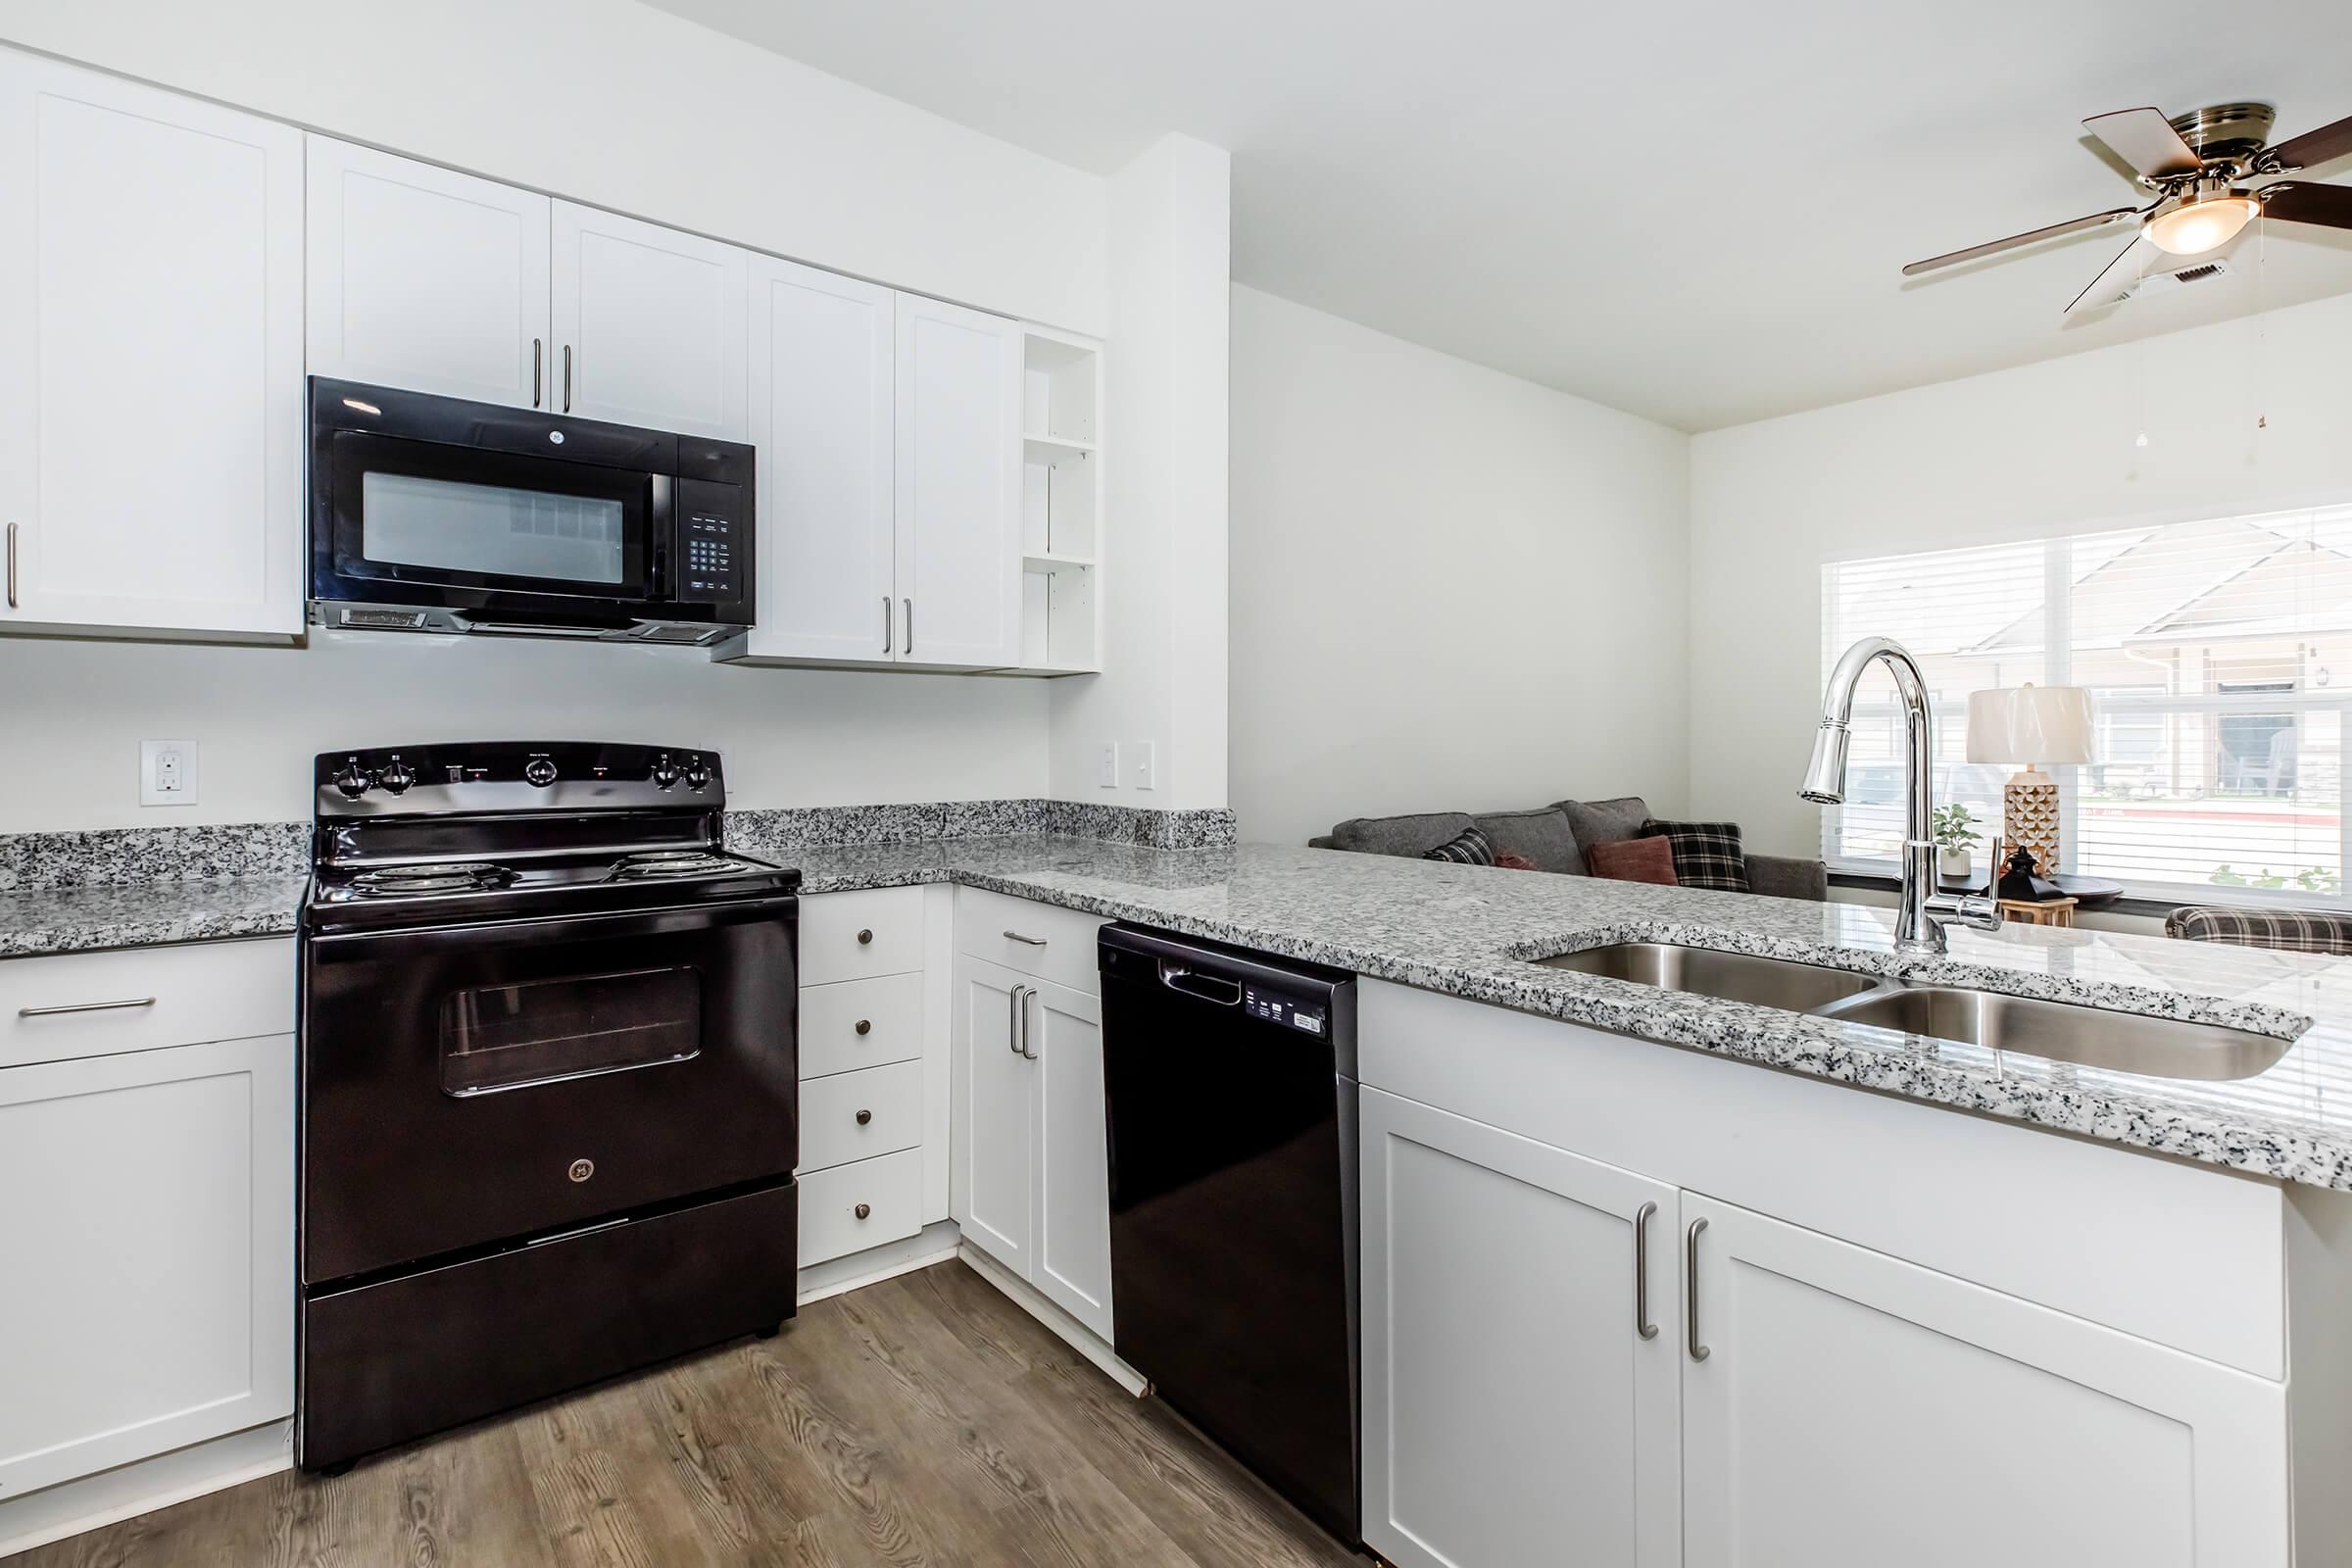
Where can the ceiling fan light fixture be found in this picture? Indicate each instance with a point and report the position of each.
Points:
(2197, 226)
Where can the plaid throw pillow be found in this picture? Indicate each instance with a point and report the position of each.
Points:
(1470, 847)
(1706, 854)
(2294, 930)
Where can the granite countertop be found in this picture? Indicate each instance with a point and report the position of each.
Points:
(1469, 931)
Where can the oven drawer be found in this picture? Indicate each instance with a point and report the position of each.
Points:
(1043, 941)
(861, 1023)
(851, 936)
(888, 1187)
(889, 1100)
(178, 995)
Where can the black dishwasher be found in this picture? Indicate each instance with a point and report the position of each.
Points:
(1230, 1081)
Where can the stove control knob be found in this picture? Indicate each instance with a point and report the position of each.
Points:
(354, 780)
(665, 774)
(539, 771)
(398, 777)
(698, 774)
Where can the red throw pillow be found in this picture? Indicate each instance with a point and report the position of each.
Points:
(1513, 862)
(1634, 860)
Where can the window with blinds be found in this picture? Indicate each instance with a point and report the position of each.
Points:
(2211, 650)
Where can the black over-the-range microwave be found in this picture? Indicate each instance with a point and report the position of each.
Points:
(432, 513)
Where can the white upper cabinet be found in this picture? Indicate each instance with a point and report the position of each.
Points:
(821, 373)
(423, 278)
(151, 393)
(650, 324)
(959, 486)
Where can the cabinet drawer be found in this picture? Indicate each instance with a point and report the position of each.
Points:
(890, 1188)
(176, 995)
(890, 1099)
(861, 1023)
(851, 936)
(1039, 940)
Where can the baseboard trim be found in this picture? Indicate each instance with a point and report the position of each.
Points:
(934, 1243)
(1033, 1302)
(92, 1501)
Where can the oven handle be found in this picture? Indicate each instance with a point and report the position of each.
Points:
(673, 919)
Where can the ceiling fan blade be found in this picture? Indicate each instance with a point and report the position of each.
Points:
(2114, 281)
(2315, 146)
(2329, 206)
(2147, 141)
(2014, 241)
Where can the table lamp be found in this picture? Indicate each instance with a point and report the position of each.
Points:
(2033, 725)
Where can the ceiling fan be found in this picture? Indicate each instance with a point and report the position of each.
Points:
(2193, 165)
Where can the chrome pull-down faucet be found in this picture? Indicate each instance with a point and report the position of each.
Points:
(1923, 913)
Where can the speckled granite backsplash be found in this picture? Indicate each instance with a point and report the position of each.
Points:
(129, 856)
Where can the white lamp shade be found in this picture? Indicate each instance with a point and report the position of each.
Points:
(2029, 724)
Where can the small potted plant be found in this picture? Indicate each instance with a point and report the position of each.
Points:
(1955, 837)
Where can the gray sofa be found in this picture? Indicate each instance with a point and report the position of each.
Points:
(1553, 837)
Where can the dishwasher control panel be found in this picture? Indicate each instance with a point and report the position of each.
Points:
(1274, 1008)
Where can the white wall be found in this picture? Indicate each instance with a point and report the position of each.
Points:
(2031, 452)
(616, 104)
(72, 714)
(1450, 588)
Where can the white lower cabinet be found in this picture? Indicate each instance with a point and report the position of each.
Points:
(147, 1238)
(1031, 1181)
(1854, 1411)
(1804, 1402)
(1521, 1343)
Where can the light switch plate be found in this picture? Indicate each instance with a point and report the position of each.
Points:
(1107, 767)
(166, 772)
(1147, 768)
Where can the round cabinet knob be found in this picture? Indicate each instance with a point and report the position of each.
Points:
(865, 1026)
(697, 775)
(865, 1116)
(540, 771)
(865, 939)
(398, 777)
(665, 774)
(863, 1210)
(354, 780)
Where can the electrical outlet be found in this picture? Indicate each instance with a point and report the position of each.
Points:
(166, 772)
(1107, 766)
(1147, 770)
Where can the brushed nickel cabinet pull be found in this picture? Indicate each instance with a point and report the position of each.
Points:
(889, 626)
(1027, 992)
(909, 604)
(85, 1007)
(12, 566)
(538, 354)
(1033, 941)
(1642, 1326)
(566, 378)
(1012, 1025)
(1698, 1352)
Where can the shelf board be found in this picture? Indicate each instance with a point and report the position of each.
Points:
(1049, 561)
(1051, 450)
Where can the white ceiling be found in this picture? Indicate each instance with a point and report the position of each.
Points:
(1696, 212)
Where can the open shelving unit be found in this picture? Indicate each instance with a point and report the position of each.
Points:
(1061, 501)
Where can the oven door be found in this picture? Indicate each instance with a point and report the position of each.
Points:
(439, 523)
(484, 1084)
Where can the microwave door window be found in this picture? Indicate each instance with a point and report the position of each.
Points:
(447, 525)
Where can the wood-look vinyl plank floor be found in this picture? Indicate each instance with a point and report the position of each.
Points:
(925, 1422)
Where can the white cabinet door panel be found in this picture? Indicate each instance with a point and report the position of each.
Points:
(993, 1124)
(1064, 1029)
(958, 496)
(823, 364)
(150, 391)
(650, 324)
(424, 278)
(147, 1220)
(1854, 1411)
(1513, 1412)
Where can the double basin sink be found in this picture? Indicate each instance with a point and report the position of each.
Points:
(2120, 1042)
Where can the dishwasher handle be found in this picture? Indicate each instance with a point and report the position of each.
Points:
(1203, 987)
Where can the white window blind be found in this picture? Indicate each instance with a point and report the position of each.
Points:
(2219, 654)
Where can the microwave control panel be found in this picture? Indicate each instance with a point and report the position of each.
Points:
(708, 568)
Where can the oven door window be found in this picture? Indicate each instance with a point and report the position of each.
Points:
(546, 1031)
(427, 513)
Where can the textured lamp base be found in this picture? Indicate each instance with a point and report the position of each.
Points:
(2029, 818)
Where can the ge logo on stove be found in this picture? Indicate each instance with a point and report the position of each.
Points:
(583, 1169)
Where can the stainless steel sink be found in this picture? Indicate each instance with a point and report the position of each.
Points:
(2122, 1042)
(1729, 976)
